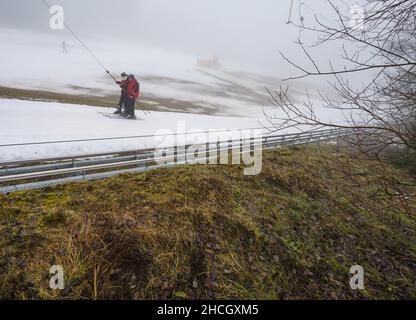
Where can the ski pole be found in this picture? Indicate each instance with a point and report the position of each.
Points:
(144, 108)
(144, 111)
(147, 109)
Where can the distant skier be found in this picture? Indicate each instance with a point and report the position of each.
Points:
(64, 47)
(131, 89)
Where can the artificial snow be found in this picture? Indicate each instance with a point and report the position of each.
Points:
(30, 121)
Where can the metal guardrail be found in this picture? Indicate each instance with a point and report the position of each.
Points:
(66, 169)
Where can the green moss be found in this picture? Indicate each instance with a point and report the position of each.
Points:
(210, 232)
(54, 217)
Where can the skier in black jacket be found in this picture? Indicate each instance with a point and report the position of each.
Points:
(123, 85)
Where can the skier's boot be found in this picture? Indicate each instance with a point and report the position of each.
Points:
(131, 117)
(118, 111)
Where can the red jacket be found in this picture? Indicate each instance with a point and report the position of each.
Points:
(131, 86)
(133, 89)
(123, 84)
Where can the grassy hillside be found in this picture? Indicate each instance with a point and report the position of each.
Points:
(90, 98)
(292, 232)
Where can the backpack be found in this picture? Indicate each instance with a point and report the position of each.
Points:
(133, 89)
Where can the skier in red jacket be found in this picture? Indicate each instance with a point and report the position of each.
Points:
(130, 92)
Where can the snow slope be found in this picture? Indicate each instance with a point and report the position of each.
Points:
(28, 121)
(36, 61)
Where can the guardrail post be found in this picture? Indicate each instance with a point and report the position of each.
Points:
(207, 152)
(318, 145)
(218, 153)
(73, 162)
(253, 143)
(229, 149)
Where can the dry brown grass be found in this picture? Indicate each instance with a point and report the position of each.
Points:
(151, 102)
(209, 232)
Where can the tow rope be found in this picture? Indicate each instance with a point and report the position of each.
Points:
(83, 44)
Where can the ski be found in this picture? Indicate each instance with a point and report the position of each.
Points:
(110, 116)
(115, 117)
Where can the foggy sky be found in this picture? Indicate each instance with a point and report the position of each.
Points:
(244, 32)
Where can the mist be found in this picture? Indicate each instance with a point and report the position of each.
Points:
(243, 33)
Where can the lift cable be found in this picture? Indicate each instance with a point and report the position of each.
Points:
(83, 44)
